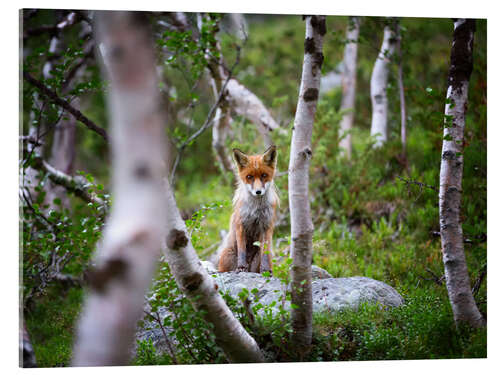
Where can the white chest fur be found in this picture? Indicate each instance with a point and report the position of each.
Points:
(256, 213)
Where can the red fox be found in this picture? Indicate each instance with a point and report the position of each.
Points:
(247, 247)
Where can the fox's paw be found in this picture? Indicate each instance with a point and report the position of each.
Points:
(242, 269)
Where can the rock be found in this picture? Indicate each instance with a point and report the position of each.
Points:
(319, 273)
(329, 295)
(209, 266)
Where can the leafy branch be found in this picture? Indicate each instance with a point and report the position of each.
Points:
(52, 95)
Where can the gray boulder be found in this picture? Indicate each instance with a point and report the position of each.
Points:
(319, 273)
(329, 295)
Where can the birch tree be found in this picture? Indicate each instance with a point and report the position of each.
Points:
(450, 179)
(196, 284)
(402, 101)
(298, 183)
(236, 97)
(378, 87)
(349, 84)
(135, 230)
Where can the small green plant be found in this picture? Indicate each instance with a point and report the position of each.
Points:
(190, 338)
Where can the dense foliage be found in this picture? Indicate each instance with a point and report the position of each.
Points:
(370, 217)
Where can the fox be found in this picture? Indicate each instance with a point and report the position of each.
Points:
(247, 247)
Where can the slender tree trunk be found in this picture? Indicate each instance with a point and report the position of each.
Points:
(62, 157)
(135, 230)
(201, 290)
(30, 179)
(402, 101)
(222, 124)
(450, 180)
(378, 87)
(349, 84)
(239, 25)
(26, 352)
(222, 120)
(298, 183)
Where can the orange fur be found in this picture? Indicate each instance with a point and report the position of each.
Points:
(248, 244)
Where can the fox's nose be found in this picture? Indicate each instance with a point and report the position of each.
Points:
(258, 192)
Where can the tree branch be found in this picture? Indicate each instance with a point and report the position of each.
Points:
(208, 121)
(52, 95)
(75, 185)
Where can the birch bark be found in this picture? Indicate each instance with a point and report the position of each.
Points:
(298, 183)
(402, 101)
(349, 84)
(201, 290)
(378, 87)
(135, 230)
(450, 180)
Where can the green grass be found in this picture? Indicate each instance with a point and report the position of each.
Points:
(423, 328)
(51, 325)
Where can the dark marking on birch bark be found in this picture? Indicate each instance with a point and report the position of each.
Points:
(99, 278)
(461, 55)
(319, 58)
(310, 95)
(117, 53)
(192, 281)
(142, 172)
(309, 46)
(306, 153)
(319, 25)
(449, 155)
(176, 239)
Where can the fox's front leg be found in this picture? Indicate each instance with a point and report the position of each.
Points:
(265, 263)
(241, 244)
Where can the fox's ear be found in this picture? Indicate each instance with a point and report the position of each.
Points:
(270, 156)
(240, 158)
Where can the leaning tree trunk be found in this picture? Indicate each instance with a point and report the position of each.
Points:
(135, 230)
(378, 87)
(298, 184)
(349, 84)
(201, 290)
(450, 180)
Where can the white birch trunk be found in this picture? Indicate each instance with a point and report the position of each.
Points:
(222, 124)
(239, 25)
(349, 84)
(378, 87)
(450, 180)
(135, 231)
(202, 291)
(402, 102)
(222, 119)
(298, 183)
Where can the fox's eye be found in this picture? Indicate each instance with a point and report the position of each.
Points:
(264, 175)
(249, 177)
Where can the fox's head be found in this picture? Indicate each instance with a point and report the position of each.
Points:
(256, 171)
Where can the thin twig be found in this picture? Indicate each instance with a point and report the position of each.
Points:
(479, 280)
(208, 121)
(157, 318)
